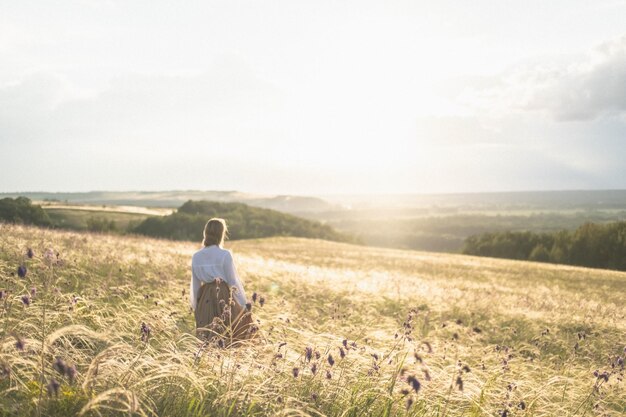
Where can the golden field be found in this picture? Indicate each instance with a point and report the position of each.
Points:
(391, 332)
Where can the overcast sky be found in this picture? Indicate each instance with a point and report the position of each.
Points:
(312, 97)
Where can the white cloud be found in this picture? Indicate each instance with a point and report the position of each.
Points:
(582, 87)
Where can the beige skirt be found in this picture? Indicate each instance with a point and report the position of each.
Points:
(220, 318)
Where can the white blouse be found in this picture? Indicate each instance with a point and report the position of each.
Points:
(212, 262)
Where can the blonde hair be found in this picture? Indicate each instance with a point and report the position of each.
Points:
(214, 232)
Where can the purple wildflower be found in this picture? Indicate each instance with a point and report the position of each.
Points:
(21, 271)
(145, 332)
(459, 383)
(314, 368)
(33, 292)
(70, 371)
(254, 296)
(261, 301)
(296, 372)
(60, 366)
(19, 343)
(26, 300)
(342, 353)
(53, 387)
(308, 352)
(414, 383)
(30, 253)
(329, 375)
(331, 361)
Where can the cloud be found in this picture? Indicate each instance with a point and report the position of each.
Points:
(577, 88)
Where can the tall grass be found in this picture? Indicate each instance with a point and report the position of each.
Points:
(345, 331)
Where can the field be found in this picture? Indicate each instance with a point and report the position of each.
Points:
(100, 325)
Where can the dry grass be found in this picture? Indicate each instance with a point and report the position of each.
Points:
(521, 338)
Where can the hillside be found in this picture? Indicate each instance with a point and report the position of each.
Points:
(285, 203)
(244, 222)
(425, 334)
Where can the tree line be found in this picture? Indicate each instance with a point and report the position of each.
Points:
(592, 245)
(21, 210)
(244, 222)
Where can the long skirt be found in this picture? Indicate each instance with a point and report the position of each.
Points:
(220, 318)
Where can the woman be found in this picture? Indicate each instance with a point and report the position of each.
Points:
(216, 294)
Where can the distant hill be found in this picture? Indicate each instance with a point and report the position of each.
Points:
(244, 222)
(285, 203)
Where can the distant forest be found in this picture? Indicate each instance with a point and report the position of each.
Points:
(591, 245)
(244, 222)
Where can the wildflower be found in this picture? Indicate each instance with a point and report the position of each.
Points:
(331, 361)
(70, 371)
(30, 253)
(345, 343)
(504, 413)
(220, 343)
(26, 300)
(254, 296)
(33, 292)
(414, 383)
(405, 392)
(342, 353)
(145, 332)
(375, 355)
(308, 352)
(521, 405)
(53, 387)
(409, 403)
(328, 375)
(296, 371)
(466, 368)
(459, 382)
(21, 271)
(60, 366)
(19, 343)
(314, 397)
(317, 354)
(261, 301)
(314, 368)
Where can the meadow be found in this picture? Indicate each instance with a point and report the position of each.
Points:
(99, 324)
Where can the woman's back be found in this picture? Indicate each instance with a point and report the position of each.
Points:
(213, 262)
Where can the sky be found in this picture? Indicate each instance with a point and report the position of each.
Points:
(312, 97)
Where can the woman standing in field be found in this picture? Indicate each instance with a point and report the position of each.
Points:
(216, 292)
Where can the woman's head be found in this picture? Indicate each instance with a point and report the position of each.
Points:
(214, 232)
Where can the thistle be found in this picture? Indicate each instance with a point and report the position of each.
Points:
(26, 300)
(21, 271)
(53, 387)
(414, 383)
